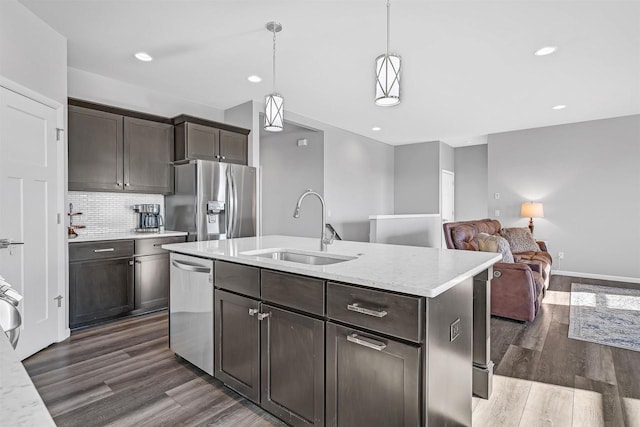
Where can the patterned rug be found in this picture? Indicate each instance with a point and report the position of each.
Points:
(605, 315)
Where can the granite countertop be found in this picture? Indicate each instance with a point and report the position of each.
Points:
(411, 270)
(96, 237)
(20, 403)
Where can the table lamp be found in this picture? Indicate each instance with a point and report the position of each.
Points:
(531, 210)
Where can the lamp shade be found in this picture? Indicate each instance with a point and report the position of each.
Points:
(531, 210)
(387, 80)
(274, 113)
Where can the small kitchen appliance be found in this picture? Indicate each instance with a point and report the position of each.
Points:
(149, 218)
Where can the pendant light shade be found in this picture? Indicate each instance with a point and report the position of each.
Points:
(387, 80)
(274, 103)
(388, 74)
(274, 113)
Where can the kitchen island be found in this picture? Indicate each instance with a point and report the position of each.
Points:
(363, 334)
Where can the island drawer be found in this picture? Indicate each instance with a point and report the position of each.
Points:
(299, 292)
(238, 278)
(100, 250)
(152, 246)
(391, 314)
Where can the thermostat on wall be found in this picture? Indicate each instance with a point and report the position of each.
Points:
(302, 142)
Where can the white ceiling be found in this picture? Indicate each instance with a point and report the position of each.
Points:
(468, 66)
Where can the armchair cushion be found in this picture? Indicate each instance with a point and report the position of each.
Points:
(495, 243)
(520, 239)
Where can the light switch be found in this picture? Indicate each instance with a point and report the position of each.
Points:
(497, 213)
(497, 196)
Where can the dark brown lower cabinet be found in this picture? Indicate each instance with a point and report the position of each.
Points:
(100, 290)
(237, 343)
(152, 282)
(371, 380)
(292, 359)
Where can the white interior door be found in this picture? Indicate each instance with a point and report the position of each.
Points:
(28, 200)
(447, 197)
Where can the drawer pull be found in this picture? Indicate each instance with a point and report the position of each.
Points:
(368, 311)
(104, 250)
(367, 342)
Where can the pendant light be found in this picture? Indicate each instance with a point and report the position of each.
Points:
(387, 75)
(274, 103)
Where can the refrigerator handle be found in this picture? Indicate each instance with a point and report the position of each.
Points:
(234, 213)
(230, 205)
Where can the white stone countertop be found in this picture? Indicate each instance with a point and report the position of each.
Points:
(20, 403)
(95, 237)
(411, 270)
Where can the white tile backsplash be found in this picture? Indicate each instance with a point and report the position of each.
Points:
(108, 212)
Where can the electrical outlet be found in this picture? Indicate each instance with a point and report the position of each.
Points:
(496, 196)
(497, 213)
(560, 255)
(454, 330)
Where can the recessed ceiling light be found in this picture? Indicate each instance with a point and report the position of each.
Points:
(254, 79)
(143, 56)
(547, 50)
(559, 107)
(376, 128)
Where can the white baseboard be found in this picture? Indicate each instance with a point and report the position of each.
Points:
(596, 276)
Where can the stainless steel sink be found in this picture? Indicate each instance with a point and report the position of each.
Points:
(302, 257)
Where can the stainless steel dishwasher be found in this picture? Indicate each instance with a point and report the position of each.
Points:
(191, 310)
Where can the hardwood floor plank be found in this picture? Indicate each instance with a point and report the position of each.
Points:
(596, 403)
(627, 368)
(506, 405)
(534, 334)
(548, 405)
(155, 414)
(65, 404)
(519, 362)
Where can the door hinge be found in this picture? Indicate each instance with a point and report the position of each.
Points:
(59, 298)
(58, 133)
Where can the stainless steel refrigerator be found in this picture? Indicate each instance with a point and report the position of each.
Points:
(212, 200)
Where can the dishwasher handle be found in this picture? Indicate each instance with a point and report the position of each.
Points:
(190, 267)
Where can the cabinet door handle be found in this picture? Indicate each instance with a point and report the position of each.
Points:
(126, 184)
(368, 311)
(97, 251)
(253, 311)
(223, 157)
(119, 184)
(130, 262)
(367, 342)
(262, 316)
(190, 267)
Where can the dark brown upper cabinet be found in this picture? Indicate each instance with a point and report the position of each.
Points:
(110, 151)
(207, 140)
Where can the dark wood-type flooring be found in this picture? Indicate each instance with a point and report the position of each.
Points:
(123, 374)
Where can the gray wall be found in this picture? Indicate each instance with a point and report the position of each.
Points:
(417, 178)
(447, 157)
(287, 171)
(588, 177)
(358, 179)
(471, 182)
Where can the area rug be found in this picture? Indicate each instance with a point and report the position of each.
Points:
(605, 315)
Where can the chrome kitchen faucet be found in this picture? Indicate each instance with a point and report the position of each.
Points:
(324, 241)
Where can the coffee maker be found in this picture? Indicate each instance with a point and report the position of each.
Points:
(149, 218)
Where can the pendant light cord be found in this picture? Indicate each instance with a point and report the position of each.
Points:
(274, 59)
(388, 26)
